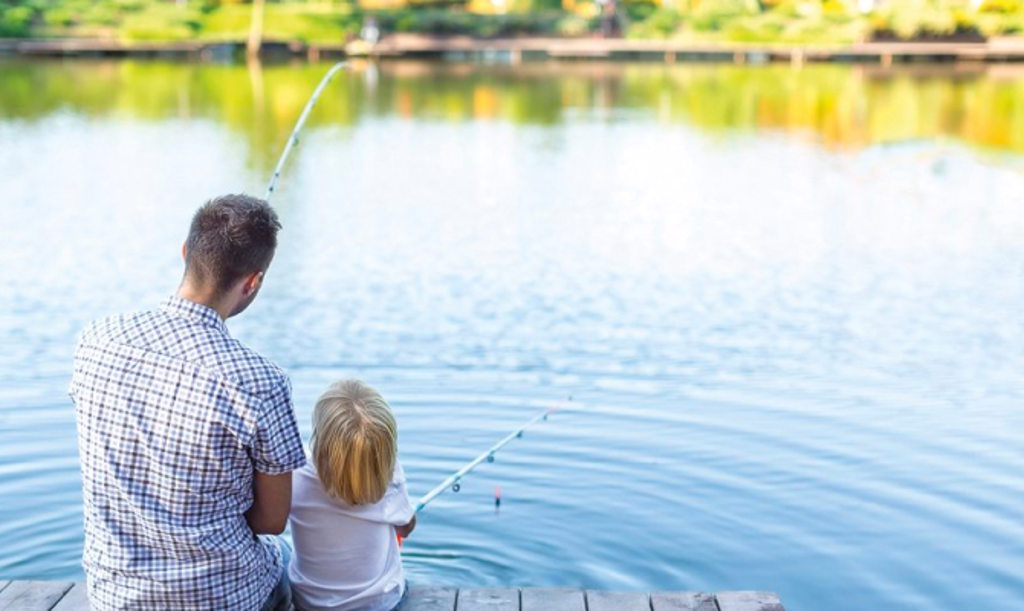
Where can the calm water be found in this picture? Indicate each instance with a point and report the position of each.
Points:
(790, 301)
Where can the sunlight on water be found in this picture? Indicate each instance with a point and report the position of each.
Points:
(788, 302)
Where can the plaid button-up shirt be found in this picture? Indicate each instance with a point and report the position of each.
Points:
(173, 418)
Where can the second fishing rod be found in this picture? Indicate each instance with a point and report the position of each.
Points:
(454, 481)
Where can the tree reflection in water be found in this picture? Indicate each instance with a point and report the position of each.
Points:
(843, 107)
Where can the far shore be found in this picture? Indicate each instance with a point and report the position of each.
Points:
(528, 49)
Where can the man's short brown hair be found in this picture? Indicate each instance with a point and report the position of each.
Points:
(231, 236)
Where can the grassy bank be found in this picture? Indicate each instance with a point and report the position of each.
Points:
(785, 21)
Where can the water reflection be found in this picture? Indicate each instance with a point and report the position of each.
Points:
(841, 106)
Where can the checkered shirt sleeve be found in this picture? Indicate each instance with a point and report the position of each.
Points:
(277, 446)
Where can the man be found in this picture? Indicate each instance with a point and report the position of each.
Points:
(187, 438)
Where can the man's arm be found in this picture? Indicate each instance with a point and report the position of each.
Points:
(276, 452)
(271, 502)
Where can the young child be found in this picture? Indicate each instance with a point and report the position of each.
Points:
(347, 505)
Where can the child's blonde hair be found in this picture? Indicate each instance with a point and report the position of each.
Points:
(354, 442)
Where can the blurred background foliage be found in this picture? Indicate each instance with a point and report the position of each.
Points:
(337, 21)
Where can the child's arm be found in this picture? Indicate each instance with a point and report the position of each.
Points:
(405, 530)
(400, 514)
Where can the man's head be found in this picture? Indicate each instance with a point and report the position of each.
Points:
(229, 248)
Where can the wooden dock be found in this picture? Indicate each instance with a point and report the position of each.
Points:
(517, 50)
(70, 596)
(531, 49)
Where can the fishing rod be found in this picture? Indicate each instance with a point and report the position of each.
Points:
(293, 139)
(454, 479)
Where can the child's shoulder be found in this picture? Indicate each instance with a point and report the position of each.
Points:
(305, 481)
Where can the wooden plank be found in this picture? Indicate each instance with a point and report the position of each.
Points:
(67, 596)
(683, 601)
(426, 598)
(552, 599)
(749, 601)
(603, 600)
(77, 599)
(33, 595)
(488, 599)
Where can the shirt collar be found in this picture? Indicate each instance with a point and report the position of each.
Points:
(176, 306)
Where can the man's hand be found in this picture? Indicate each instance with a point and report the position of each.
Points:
(272, 500)
(404, 531)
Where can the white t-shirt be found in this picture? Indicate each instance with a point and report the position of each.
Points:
(346, 556)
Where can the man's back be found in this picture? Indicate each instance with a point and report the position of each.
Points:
(173, 418)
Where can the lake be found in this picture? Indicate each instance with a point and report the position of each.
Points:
(786, 304)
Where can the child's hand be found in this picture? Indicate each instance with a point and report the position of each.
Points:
(404, 531)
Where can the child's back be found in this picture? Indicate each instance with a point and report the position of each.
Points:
(346, 553)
